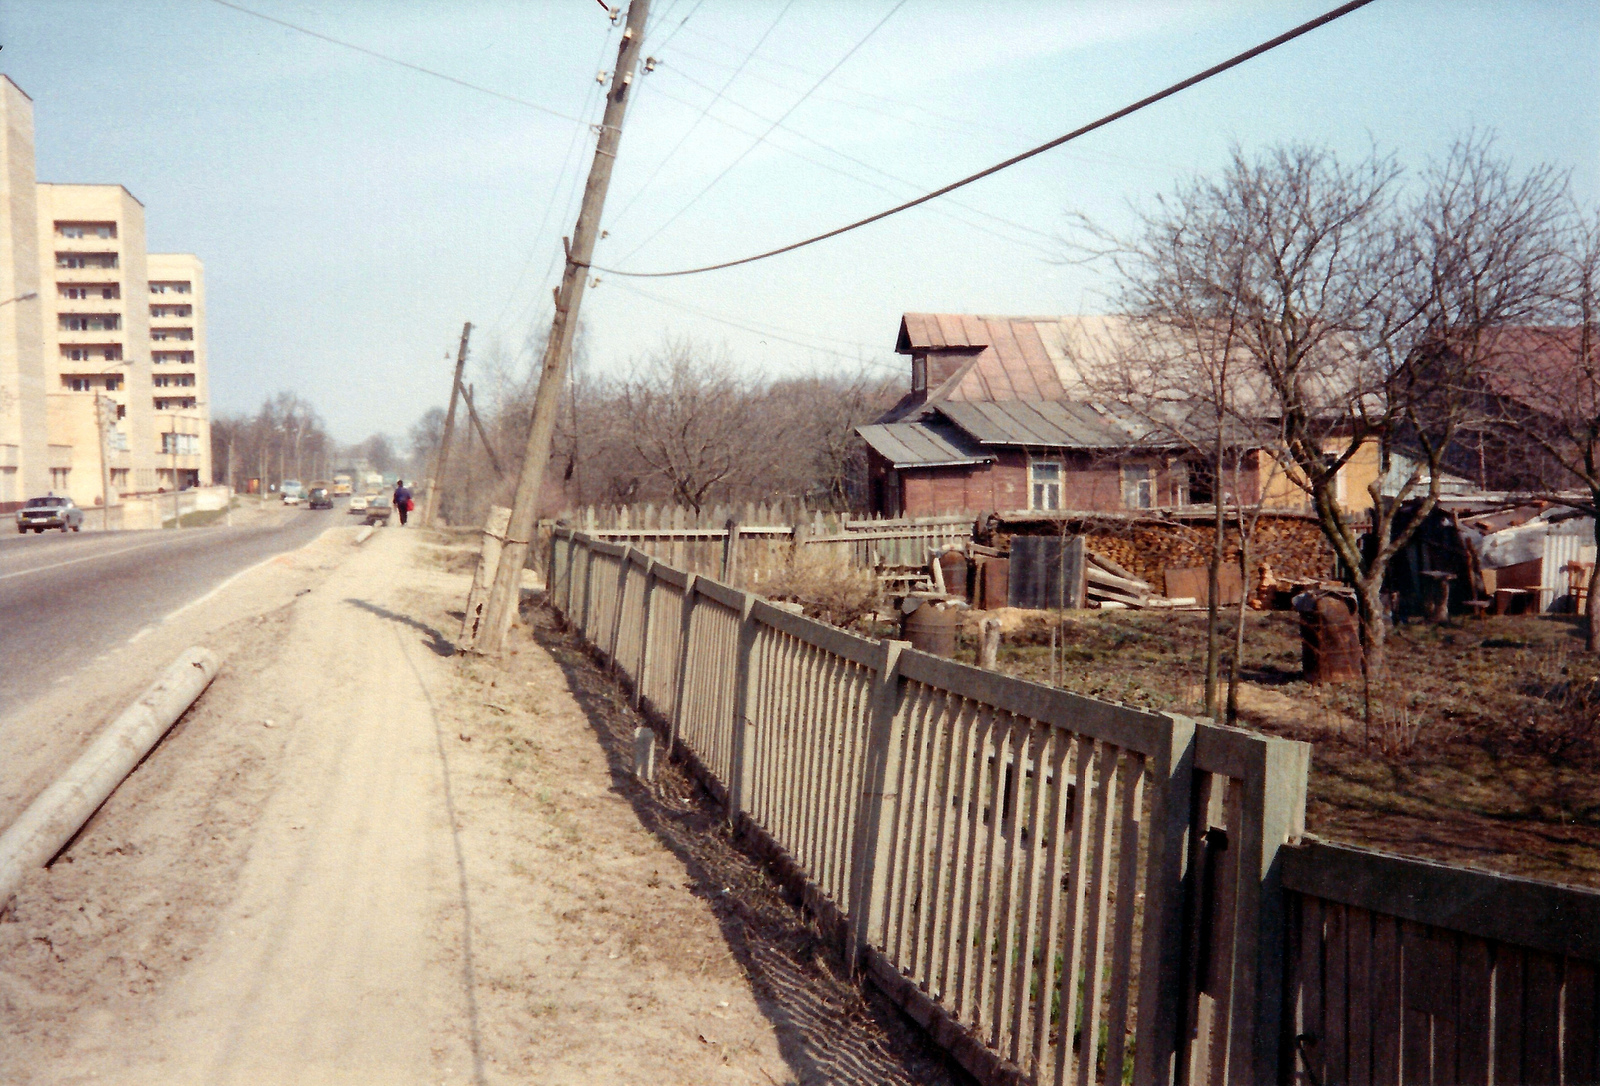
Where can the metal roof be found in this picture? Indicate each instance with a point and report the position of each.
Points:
(1060, 424)
(922, 444)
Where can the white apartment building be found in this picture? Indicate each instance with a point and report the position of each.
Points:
(24, 441)
(96, 290)
(103, 379)
(180, 390)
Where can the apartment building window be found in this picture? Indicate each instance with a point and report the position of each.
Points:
(86, 229)
(110, 353)
(79, 384)
(174, 403)
(170, 287)
(113, 384)
(86, 260)
(180, 444)
(174, 380)
(58, 478)
(119, 477)
(161, 335)
(1044, 484)
(161, 312)
(107, 291)
(90, 322)
(122, 411)
(184, 357)
(1138, 486)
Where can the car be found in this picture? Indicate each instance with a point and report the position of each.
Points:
(319, 498)
(294, 492)
(379, 510)
(358, 503)
(50, 511)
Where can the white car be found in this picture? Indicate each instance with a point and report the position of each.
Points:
(358, 503)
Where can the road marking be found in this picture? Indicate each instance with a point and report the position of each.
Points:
(86, 558)
(197, 602)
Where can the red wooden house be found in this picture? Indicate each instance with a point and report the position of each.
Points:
(997, 418)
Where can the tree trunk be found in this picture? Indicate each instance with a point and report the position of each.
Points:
(1591, 605)
(1369, 612)
(1214, 588)
(1238, 628)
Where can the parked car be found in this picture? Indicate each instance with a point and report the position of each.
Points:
(319, 498)
(49, 511)
(358, 503)
(379, 510)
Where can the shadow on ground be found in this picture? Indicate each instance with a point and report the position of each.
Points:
(829, 1030)
(435, 640)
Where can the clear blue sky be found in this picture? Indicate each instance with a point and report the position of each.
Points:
(352, 213)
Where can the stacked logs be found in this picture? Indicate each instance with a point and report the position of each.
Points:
(1293, 546)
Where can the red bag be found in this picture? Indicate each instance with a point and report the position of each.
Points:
(411, 505)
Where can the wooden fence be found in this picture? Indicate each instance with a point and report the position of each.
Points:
(765, 536)
(1058, 888)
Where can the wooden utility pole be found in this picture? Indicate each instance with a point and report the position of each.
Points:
(430, 503)
(504, 596)
(477, 424)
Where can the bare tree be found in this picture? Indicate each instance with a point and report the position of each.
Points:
(691, 422)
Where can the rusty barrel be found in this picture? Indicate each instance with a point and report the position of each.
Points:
(953, 567)
(1330, 639)
(932, 629)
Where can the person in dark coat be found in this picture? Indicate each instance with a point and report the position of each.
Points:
(402, 500)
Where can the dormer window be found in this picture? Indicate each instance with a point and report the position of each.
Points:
(919, 373)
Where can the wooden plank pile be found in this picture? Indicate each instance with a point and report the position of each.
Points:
(1109, 585)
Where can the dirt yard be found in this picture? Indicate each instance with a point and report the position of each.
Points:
(363, 859)
(1487, 743)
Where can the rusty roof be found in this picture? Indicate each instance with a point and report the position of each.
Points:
(927, 444)
(1059, 424)
(1011, 358)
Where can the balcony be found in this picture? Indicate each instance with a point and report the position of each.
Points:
(88, 276)
(172, 335)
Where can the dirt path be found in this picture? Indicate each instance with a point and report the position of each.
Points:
(342, 867)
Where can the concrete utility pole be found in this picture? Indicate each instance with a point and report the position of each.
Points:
(430, 502)
(504, 596)
(102, 405)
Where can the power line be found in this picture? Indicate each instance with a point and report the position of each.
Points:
(870, 183)
(1185, 84)
(396, 60)
(758, 330)
(555, 192)
(686, 18)
(696, 123)
(860, 162)
(746, 153)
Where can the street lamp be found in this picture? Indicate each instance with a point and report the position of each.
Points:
(21, 297)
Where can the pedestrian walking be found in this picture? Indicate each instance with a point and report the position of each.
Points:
(402, 500)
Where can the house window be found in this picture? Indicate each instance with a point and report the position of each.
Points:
(1138, 486)
(1044, 483)
(78, 384)
(919, 373)
(58, 478)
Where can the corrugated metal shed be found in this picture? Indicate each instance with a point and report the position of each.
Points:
(922, 444)
(1061, 424)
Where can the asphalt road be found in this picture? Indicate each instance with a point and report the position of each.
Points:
(65, 599)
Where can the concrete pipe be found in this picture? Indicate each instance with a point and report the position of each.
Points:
(60, 811)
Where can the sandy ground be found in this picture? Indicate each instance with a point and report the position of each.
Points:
(360, 859)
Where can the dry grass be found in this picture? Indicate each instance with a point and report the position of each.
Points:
(841, 595)
(1484, 746)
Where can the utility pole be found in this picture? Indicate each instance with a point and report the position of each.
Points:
(430, 503)
(102, 404)
(505, 595)
(477, 424)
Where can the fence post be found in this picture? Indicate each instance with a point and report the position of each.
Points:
(566, 584)
(875, 826)
(616, 611)
(1160, 956)
(744, 677)
(730, 552)
(588, 591)
(685, 618)
(1275, 813)
(639, 686)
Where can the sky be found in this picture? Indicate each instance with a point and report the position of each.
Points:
(352, 213)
